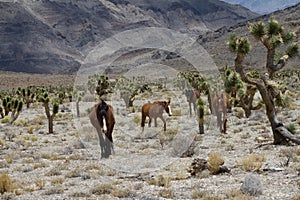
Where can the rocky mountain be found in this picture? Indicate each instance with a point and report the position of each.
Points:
(263, 6)
(215, 41)
(44, 36)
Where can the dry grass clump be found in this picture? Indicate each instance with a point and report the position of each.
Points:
(166, 193)
(253, 162)
(103, 188)
(7, 185)
(122, 193)
(215, 160)
(203, 195)
(160, 181)
(54, 172)
(80, 194)
(40, 165)
(137, 119)
(73, 174)
(296, 197)
(54, 190)
(237, 195)
(40, 183)
(57, 180)
(176, 112)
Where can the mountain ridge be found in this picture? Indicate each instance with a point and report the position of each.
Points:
(55, 36)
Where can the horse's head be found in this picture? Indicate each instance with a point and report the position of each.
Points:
(167, 107)
(101, 113)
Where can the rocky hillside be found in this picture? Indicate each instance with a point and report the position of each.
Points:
(289, 18)
(54, 36)
(263, 6)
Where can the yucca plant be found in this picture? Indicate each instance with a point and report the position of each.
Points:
(200, 108)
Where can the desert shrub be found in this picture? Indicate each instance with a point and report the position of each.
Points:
(291, 128)
(6, 183)
(5, 120)
(252, 162)
(166, 193)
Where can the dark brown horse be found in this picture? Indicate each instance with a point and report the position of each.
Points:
(155, 110)
(220, 103)
(102, 118)
(191, 97)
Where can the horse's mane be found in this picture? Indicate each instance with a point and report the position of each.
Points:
(102, 109)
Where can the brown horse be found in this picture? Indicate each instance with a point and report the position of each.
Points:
(102, 118)
(220, 103)
(191, 97)
(155, 110)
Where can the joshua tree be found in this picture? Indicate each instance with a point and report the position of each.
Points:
(45, 99)
(16, 108)
(273, 36)
(240, 95)
(27, 95)
(6, 103)
(130, 88)
(197, 82)
(241, 47)
(100, 84)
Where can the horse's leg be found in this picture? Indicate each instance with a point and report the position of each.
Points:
(164, 121)
(190, 106)
(195, 107)
(143, 121)
(155, 122)
(219, 120)
(224, 122)
(102, 144)
(149, 123)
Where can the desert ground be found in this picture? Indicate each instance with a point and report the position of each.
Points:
(145, 165)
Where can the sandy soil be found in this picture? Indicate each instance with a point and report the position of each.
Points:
(148, 165)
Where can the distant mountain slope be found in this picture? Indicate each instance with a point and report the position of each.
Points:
(264, 6)
(215, 42)
(54, 36)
